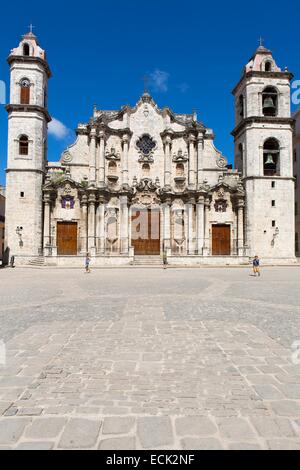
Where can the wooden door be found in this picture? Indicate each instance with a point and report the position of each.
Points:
(220, 240)
(67, 238)
(145, 231)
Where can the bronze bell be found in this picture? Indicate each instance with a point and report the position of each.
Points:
(270, 160)
(268, 103)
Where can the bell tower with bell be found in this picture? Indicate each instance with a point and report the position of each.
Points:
(263, 152)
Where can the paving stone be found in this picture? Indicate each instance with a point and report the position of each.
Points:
(195, 425)
(193, 443)
(273, 427)
(244, 446)
(11, 429)
(38, 445)
(291, 390)
(118, 443)
(29, 411)
(117, 425)
(268, 392)
(154, 431)
(286, 408)
(283, 444)
(4, 406)
(45, 428)
(80, 433)
(235, 428)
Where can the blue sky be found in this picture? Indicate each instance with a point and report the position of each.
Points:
(100, 51)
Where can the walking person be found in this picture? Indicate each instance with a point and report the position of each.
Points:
(256, 266)
(165, 259)
(87, 263)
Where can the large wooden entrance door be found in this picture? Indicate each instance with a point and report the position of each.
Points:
(145, 231)
(220, 239)
(67, 238)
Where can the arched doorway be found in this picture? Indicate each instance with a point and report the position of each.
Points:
(145, 231)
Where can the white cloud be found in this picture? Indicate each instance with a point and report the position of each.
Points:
(159, 80)
(183, 87)
(58, 129)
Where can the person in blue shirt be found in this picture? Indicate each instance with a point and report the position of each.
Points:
(256, 268)
(87, 263)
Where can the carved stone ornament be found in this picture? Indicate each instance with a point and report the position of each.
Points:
(220, 205)
(146, 184)
(112, 154)
(146, 192)
(111, 212)
(221, 162)
(67, 189)
(180, 156)
(67, 202)
(146, 110)
(67, 158)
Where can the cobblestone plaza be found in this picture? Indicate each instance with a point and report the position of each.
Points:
(145, 358)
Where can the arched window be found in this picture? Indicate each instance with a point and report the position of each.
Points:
(179, 169)
(26, 49)
(270, 101)
(271, 157)
(146, 169)
(268, 66)
(23, 145)
(25, 91)
(241, 106)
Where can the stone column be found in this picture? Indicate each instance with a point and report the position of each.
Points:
(167, 162)
(100, 226)
(101, 174)
(192, 161)
(206, 245)
(84, 224)
(191, 231)
(124, 221)
(240, 227)
(93, 157)
(125, 140)
(200, 225)
(91, 225)
(200, 173)
(167, 225)
(47, 234)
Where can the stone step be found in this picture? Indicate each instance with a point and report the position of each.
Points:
(38, 261)
(147, 260)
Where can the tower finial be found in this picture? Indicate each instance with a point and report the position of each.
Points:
(261, 41)
(31, 28)
(146, 82)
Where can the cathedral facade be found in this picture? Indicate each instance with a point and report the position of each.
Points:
(140, 181)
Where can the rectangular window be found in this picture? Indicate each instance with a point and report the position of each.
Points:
(273, 223)
(273, 184)
(22, 194)
(273, 203)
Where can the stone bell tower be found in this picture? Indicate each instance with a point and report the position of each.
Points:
(27, 147)
(264, 156)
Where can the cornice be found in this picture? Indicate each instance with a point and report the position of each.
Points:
(261, 120)
(261, 74)
(28, 108)
(30, 59)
